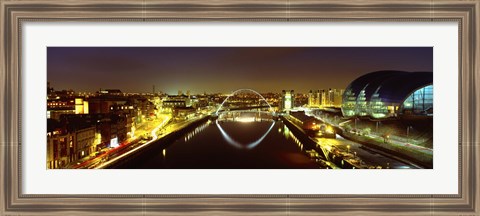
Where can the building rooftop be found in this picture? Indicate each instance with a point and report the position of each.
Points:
(392, 86)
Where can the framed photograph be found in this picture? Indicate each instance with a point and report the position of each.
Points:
(239, 107)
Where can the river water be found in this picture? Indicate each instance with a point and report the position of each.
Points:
(240, 144)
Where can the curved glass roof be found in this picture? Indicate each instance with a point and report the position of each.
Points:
(396, 89)
(392, 86)
(377, 93)
(371, 81)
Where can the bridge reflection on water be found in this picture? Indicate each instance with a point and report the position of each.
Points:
(244, 117)
(236, 140)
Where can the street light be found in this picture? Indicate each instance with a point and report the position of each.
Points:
(348, 148)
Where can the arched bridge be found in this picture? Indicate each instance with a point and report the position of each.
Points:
(270, 109)
(249, 118)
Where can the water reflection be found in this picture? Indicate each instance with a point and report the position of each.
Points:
(288, 134)
(238, 144)
(197, 130)
(208, 147)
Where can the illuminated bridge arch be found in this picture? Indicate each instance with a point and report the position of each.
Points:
(239, 90)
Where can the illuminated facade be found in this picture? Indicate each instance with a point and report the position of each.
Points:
(384, 94)
(81, 106)
(315, 98)
(66, 146)
(325, 98)
(333, 98)
(172, 102)
(287, 100)
(60, 150)
(58, 107)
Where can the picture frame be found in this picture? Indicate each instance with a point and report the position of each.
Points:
(14, 13)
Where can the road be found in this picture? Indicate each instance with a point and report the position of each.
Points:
(100, 158)
(158, 132)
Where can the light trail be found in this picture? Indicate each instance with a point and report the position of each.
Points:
(154, 138)
(154, 131)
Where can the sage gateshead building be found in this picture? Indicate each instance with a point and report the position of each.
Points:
(386, 94)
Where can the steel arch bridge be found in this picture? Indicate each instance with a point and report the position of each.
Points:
(239, 90)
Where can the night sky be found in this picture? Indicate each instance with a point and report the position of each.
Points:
(224, 69)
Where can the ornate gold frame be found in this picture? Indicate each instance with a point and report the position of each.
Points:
(14, 12)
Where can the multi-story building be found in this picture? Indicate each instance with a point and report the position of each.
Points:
(58, 107)
(325, 98)
(85, 142)
(334, 97)
(201, 101)
(59, 102)
(146, 107)
(287, 100)
(60, 151)
(135, 108)
(82, 125)
(103, 104)
(68, 144)
(176, 101)
(184, 113)
(112, 128)
(314, 98)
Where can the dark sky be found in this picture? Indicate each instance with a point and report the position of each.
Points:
(224, 69)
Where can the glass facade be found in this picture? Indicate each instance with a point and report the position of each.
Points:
(378, 109)
(361, 106)
(384, 94)
(349, 102)
(420, 102)
(287, 100)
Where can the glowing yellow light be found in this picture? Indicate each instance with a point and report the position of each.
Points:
(329, 148)
(329, 129)
(245, 119)
(85, 107)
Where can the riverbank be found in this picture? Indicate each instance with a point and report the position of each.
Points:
(176, 131)
(333, 158)
(411, 145)
(416, 154)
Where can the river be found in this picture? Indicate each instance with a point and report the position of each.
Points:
(240, 144)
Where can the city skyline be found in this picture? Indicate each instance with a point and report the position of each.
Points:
(224, 69)
(366, 108)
